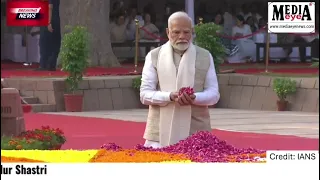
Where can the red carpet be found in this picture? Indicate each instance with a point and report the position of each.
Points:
(96, 71)
(93, 132)
(128, 70)
(282, 71)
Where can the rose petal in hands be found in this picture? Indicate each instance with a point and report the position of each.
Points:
(185, 99)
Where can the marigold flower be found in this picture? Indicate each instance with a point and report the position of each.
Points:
(134, 156)
(17, 160)
(52, 156)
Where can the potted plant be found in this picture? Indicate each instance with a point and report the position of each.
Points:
(283, 87)
(74, 60)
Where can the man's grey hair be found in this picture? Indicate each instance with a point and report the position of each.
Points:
(178, 15)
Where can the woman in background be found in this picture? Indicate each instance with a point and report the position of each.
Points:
(247, 47)
(218, 19)
(150, 27)
(230, 49)
(118, 32)
(253, 26)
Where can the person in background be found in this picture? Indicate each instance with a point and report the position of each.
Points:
(228, 18)
(168, 11)
(133, 15)
(253, 26)
(247, 47)
(117, 8)
(50, 39)
(245, 11)
(262, 23)
(118, 32)
(35, 32)
(237, 10)
(230, 49)
(218, 19)
(198, 20)
(201, 10)
(149, 9)
(150, 27)
(254, 13)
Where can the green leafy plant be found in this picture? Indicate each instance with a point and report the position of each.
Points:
(136, 83)
(284, 87)
(45, 138)
(15, 143)
(207, 38)
(315, 62)
(74, 55)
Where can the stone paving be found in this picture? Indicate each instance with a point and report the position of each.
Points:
(271, 122)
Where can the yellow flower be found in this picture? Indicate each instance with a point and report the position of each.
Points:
(103, 156)
(51, 156)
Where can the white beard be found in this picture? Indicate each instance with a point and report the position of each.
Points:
(180, 46)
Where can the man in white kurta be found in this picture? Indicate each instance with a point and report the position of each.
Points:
(174, 65)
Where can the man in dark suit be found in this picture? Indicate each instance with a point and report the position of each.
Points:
(50, 39)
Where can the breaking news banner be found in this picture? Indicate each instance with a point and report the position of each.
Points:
(291, 17)
(27, 13)
(300, 165)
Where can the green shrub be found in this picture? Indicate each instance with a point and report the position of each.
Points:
(207, 38)
(136, 83)
(284, 87)
(74, 55)
(315, 62)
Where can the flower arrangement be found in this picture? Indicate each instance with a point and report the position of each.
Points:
(45, 138)
(200, 147)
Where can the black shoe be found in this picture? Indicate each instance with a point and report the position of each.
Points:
(41, 69)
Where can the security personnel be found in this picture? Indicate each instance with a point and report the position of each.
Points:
(50, 39)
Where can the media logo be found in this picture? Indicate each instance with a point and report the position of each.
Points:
(27, 13)
(291, 17)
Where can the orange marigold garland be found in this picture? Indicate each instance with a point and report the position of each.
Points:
(130, 156)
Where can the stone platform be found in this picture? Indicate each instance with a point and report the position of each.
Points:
(238, 91)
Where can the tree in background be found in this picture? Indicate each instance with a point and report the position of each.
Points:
(93, 14)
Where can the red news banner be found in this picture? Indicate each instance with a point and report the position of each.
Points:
(27, 13)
